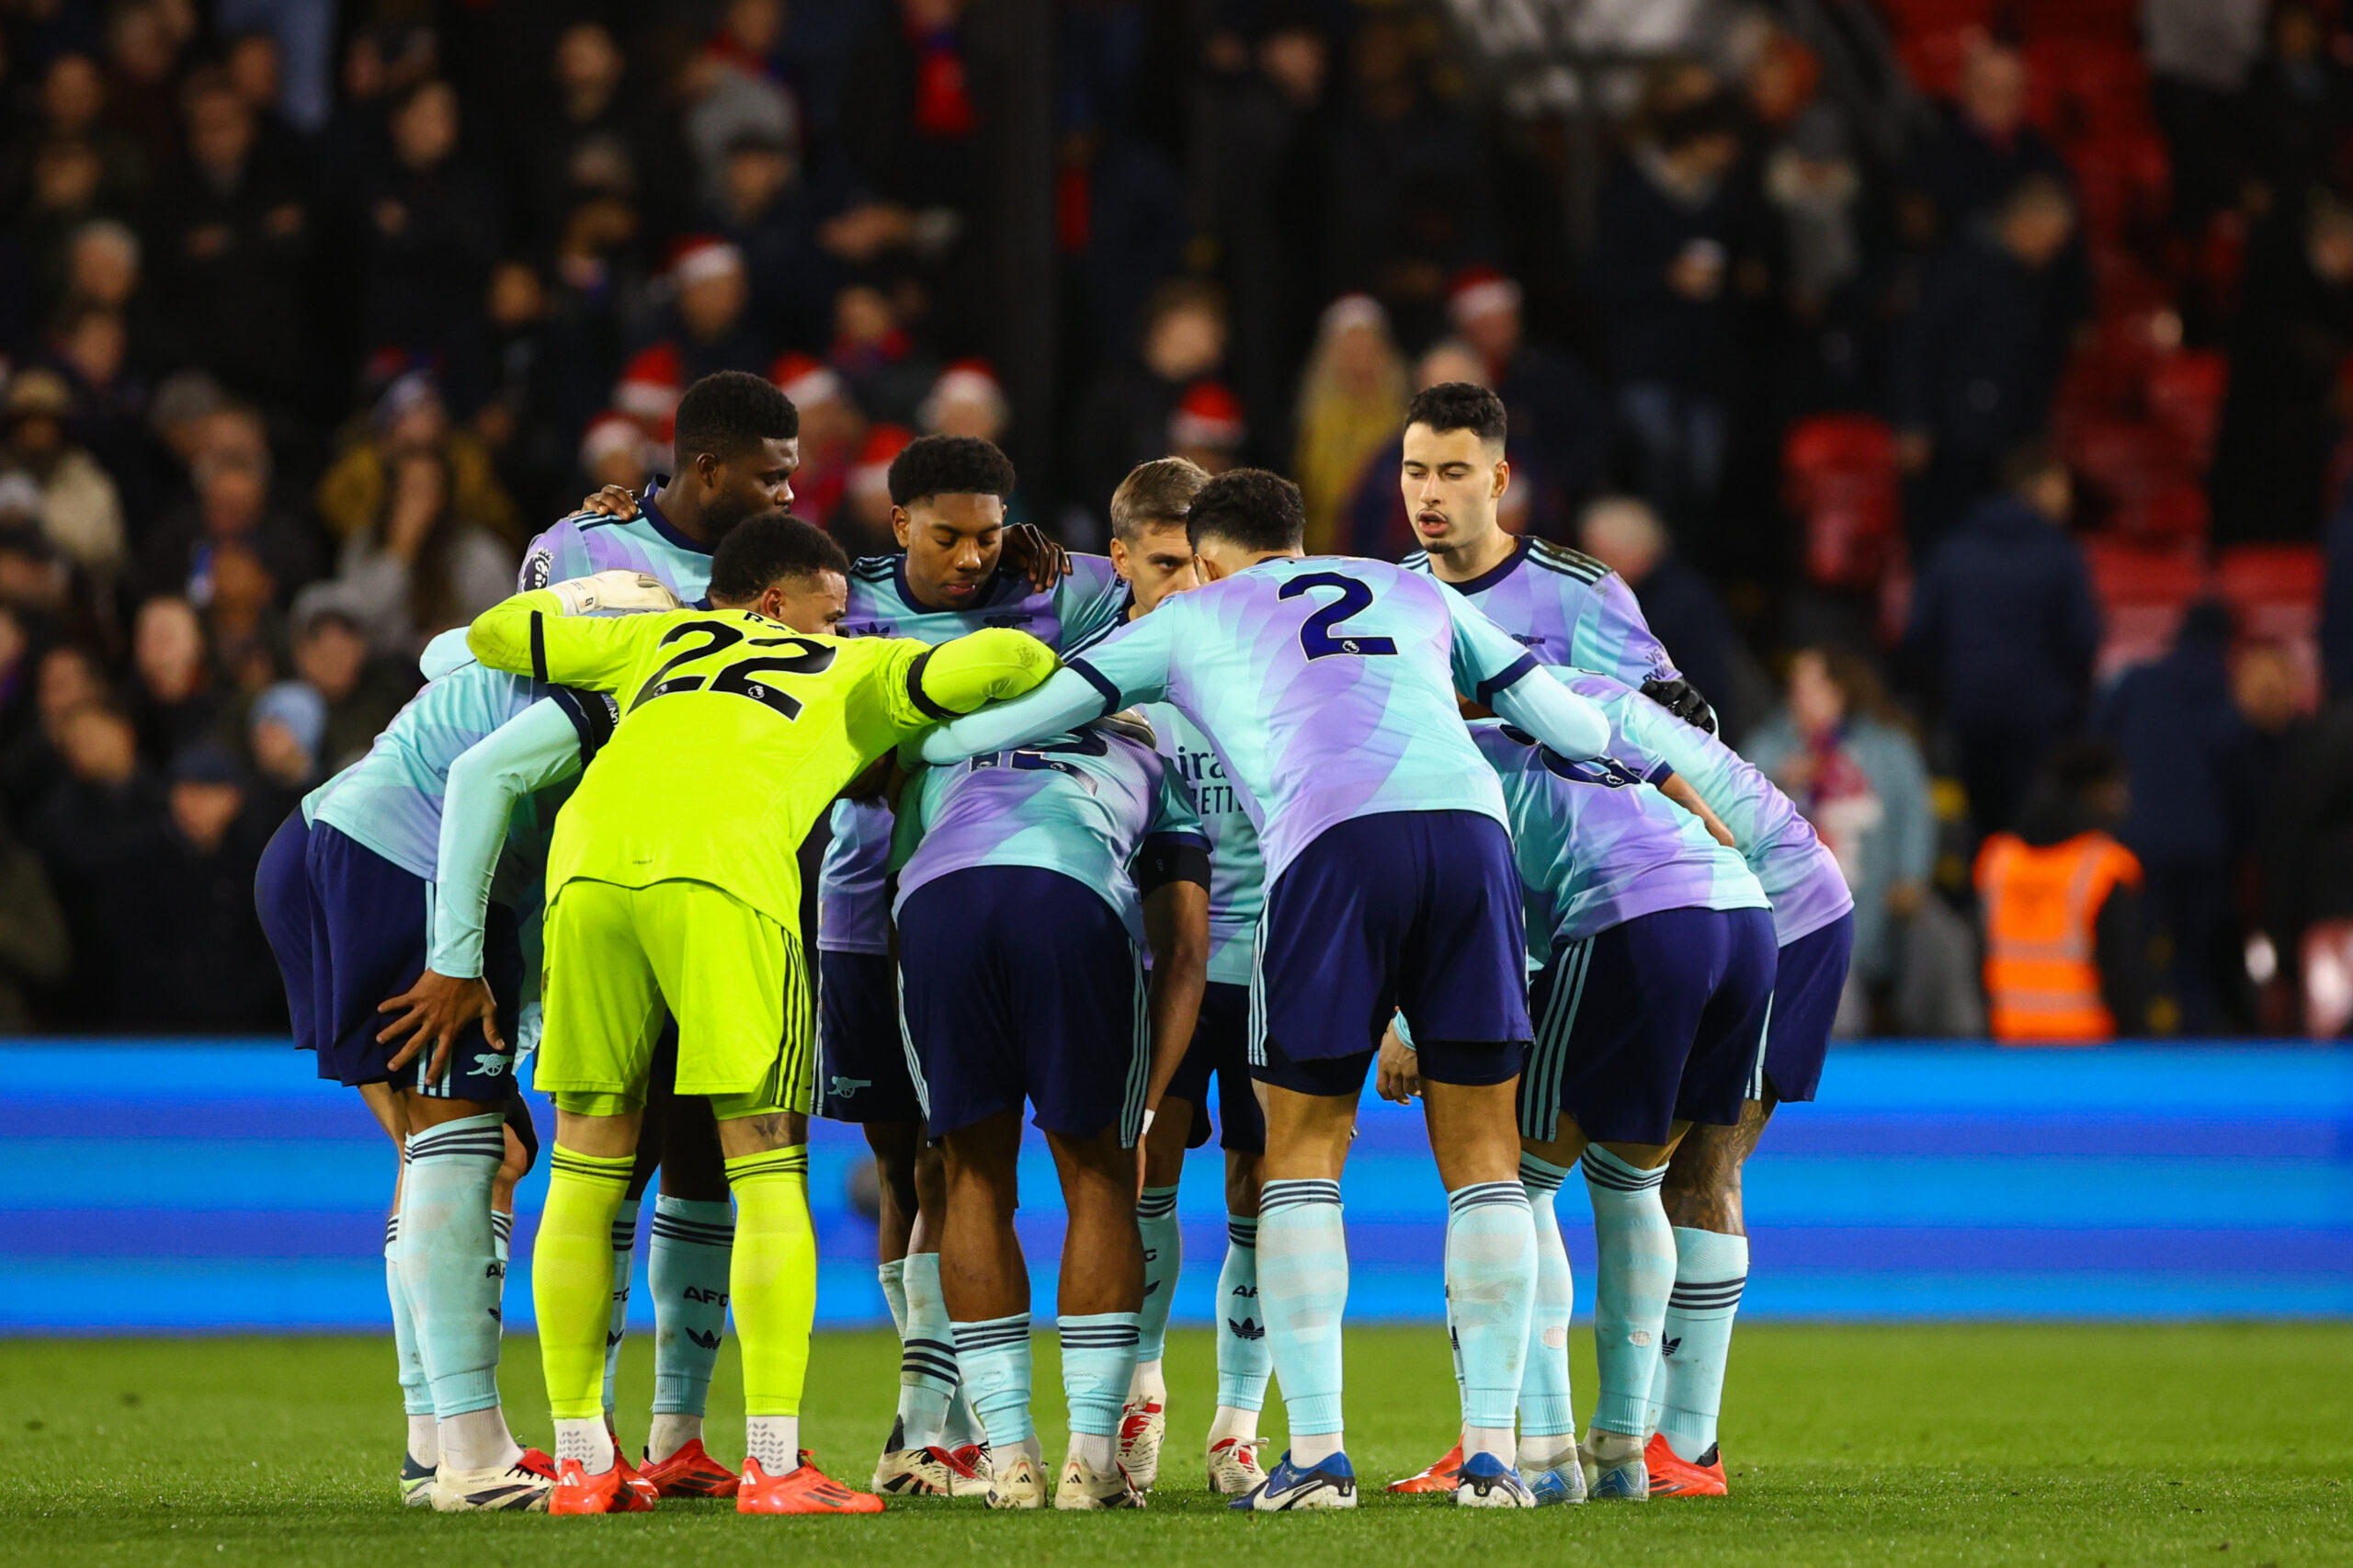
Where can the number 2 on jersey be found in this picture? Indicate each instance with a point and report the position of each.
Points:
(1315, 639)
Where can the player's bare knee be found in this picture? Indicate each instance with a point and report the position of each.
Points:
(1246, 1178)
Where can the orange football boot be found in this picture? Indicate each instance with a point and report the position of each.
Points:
(807, 1489)
(1439, 1477)
(1673, 1477)
(691, 1472)
(616, 1491)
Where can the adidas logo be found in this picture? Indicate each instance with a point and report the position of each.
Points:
(1151, 1288)
(1248, 1328)
(708, 1341)
(1670, 1348)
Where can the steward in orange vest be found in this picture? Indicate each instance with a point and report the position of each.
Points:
(2064, 961)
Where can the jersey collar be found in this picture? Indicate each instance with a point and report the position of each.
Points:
(1492, 574)
(652, 513)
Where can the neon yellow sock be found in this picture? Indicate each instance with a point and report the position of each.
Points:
(772, 1283)
(572, 1277)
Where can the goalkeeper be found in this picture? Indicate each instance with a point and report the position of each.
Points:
(673, 885)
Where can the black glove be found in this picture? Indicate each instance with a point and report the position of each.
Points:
(1680, 697)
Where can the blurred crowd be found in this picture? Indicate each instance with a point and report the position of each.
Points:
(1959, 386)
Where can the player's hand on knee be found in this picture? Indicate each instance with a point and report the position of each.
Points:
(612, 501)
(615, 589)
(1031, 552)
(431, 1013)
(1397, 1076)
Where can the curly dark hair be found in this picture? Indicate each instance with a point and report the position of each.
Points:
(1250, 507)
(1460, 405)
(729, 413)
(767, 549)
(949, 465)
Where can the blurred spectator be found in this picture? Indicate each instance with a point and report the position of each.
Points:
(1124, 419)
(733, 91)
(73, 104)
(1982, 150)
(2307, 838)
(432, 226)
(1351, 402)
(862, 522)
(2186, 751)
(68, 197)
(18, 664)
(873, 352)
(88, 831)
(230, 234)
(2287, 348)
(909, 125)
(2066, 960)
(232, 474)
(331, 656)
(412, 417)
(90, 349)
(66, 679)
(1680, 608)
(284, 729)
(188, 952)
(420, 569)
(965, 400)
(242, 622)
(1839, 751)
(172, 698)
(2199, 52)
(36, 951)
(144, 40)
(1976, 362)
(1206, 428)
(832, 427)
(766, 211)
(2004, 630)
(1375, 523)
(1816, 187)
(80, 509)
(613, 451)
(704, 329)
(1561, 427)
(598, 138)
(2299, 99)
(34, 578)
(1671, 242)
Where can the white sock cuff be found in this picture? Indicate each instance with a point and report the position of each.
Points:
(1607, 1172)
(1711, 1269)
(1539, 1174)
(1157, 1203)
(469, 1136)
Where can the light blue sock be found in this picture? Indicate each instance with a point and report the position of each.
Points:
(693, 1245)
(447, 1261)
(1490, 1280)
(1634, 1272)
(1710, 1271)
(1163, 1259)
(928, 1374)
(624, 1247)
(1243, 1360)
(416, 1389)
(1545, 1410)
(893, 1276)
(995, 1356)
(1098, 1357)
(1303, 1294)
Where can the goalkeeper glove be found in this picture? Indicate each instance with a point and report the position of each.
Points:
(617, 589)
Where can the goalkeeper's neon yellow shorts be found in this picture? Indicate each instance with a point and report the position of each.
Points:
(622, 962)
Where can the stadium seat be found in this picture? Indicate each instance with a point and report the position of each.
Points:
(2125, 460)
(1840, 477)
(2123, 177)
(2165, 516)
(2274, 588)
(2142, 593)
(2184, 393)
(1933, 60)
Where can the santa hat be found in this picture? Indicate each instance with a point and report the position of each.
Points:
(805, 382)
(1208, 415)
(650, 387)
(609, 433)
(701, 257)
(967, 380)
(1478, 292)
(872, 470)
(1354, 310)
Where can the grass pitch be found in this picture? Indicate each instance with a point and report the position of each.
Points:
(2097, 1445)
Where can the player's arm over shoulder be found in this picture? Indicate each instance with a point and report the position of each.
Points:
(936, 685)
(530, 634)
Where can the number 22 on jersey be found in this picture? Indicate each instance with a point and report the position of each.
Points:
(712, 641)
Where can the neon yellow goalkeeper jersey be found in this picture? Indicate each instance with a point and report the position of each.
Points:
(735, 733)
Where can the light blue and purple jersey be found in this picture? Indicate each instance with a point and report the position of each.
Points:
(1566, 609)
(1325, 686)
(1080, 804)
(854, 913)
(1237, 867)
(1595, 843)
(587, 542)
(1797, 870)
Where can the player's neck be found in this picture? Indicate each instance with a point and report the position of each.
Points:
(682, 512)
(1474, 561)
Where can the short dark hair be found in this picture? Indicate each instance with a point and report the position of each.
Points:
(1161, 490)
(949, 465)
(1461, 406)
(1250, 507)
(765, 548)
(728, 415)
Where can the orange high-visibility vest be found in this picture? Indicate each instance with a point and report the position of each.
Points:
(2042, 906)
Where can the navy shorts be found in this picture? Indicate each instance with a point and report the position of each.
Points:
(1221, 1046)
(861, 1056)
(1019, 984)
(1810, 978)
(1411, 910)
(1642, 1025)
(349, 929)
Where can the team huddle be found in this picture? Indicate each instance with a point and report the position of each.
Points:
(1103, 830)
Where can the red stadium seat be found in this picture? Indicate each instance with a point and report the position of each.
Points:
(2142, 592)
(2169, 516)
(1933, 60)
(1839, 476)
(2184, 393)
(2125, 460)
(2274, 588)
(2123, 178)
